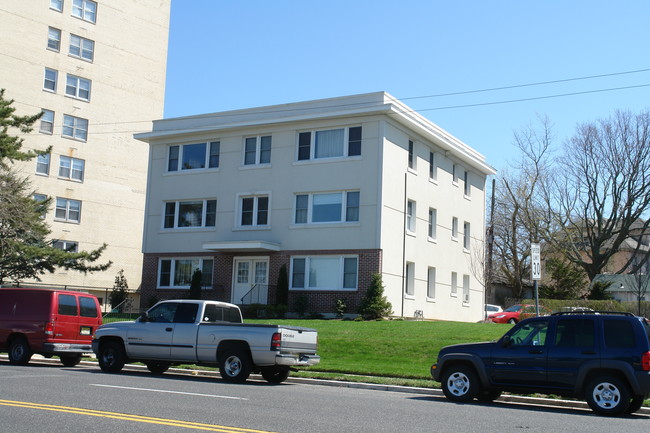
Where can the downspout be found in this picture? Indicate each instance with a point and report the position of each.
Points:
(404, 245)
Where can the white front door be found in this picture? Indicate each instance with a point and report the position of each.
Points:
(250, 273)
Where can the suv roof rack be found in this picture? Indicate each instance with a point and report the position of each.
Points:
(580, 312)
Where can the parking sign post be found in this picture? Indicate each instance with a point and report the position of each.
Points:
(536, 272)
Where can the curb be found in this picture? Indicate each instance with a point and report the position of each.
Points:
(508, 398)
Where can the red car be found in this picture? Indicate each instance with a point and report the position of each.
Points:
(517, 312)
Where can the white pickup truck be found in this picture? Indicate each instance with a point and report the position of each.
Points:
(205, 333)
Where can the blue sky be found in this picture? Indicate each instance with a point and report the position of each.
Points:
(226, 55)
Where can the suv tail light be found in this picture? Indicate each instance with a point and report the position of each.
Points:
(49, 329)
(645, 361)
(276, 341)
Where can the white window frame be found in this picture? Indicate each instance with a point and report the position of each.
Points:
(433, 224)
(85, 48)
(465, 289)
(454, 284)
(467, 187)
(346, 213)
(346, 149)
(53, 79)
(454, 229)
(53, 39)
(70, 246)
(78, 87)
(211, 158)
(68, 210)
(78, 127)
(433, 167)
(75, 168)
(39, 198)
(431, 282)
(467, 230)
(56, 5)
(307, 276)
(47, 122)
(411, 216)
(409, 287)
(201, 264)
(411, 158)
(208, 221)
(85, 10)
(257, 153)
(43, 164)
(256, 212)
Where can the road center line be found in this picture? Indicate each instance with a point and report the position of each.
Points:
(168, 392)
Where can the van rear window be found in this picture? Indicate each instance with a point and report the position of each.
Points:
(67, 305)
(88, 307)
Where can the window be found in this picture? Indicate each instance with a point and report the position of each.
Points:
(47, 122)
(75, 127)
(56, 5)
(433, 222)
(324, 273)
(466, 235)
(532, 334)
(85, 9)
(67, 210)
(575, 333)
(619, 334)
(77, 87)
(254, 211)
(454, 284)
(410, 216)
(43, 164)
(49, 82)
(431, 283)
(257, 150)
(183, 214)
(214, 313)
(40, 204)
(410, 278)
(194, 156)
(466, 288)
(177, 273)
(69, 246)
(454, 228)
(332, 143)
(53, 39)
(81, 47)
(333, 207)
(411, 156)
(67, 305)
(87, 307)
(433, 170)
(467, 187)
(71, 168)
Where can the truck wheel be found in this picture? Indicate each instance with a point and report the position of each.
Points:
(635, 403)
(70, 360)
(608, 396)
(158, 367)
(235, 366)
(275, 374)
(111, 357)
(19, 352)
(459, 383)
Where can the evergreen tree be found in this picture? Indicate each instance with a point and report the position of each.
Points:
(282, 296)
(118, 294)
(195, 285)
(375, 305)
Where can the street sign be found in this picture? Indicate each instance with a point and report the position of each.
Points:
(535, 262)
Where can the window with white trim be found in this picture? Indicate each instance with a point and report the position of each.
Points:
(454, 284)
(433, 222)
(56, 5)
(69, 246)
(40, 207)
(466, 288)
(71, 168)
(454, 228)
(81, 48)
(191, 213)
(77, 87)
(411, 216)
(454, 174)
(466, 185)
(85, 9)
(49, 82)
(47, 122)
(53, 39)
(431, 283)
(177, 272)
(324, 273)
(331, 207)
(411, 156)
(67, 210)
(466, 235)
(331, 143)
(75, 127)
(433, 169)
(257, 150)
(410, 279)
(254, 211)
(43, 164)
(193, 156)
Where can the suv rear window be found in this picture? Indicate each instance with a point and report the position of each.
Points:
(67, 305)
(88, 307)
(619, 334)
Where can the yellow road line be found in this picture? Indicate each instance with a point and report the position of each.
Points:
(128, 417)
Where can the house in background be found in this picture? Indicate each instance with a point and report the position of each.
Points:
(97, 71)
(335, 189)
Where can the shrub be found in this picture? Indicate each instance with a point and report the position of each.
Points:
(118, 294)
(375, 305)
(195, 285)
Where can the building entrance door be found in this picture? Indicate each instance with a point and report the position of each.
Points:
(250, 280)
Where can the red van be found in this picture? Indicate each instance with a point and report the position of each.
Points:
(47, 322)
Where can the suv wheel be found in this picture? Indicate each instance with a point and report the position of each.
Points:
(460, 383)
(608, 396)
(635, 403)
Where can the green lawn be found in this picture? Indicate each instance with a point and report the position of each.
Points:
(388, 348)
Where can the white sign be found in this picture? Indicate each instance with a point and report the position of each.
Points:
(535, 262)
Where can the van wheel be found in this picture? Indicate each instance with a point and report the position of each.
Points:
(19, 352)
(236, 366)
(70, 360)
(608, 396)
(158, 367)
(275, 374)
(111, 357)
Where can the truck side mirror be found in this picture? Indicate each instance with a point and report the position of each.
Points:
(506, 341)
(144, 317)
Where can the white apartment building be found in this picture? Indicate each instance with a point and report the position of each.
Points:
(335, 189)
(97, 71)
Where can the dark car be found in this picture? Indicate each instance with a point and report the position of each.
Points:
(602, 357)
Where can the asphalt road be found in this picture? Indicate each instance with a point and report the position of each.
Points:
(50, 397)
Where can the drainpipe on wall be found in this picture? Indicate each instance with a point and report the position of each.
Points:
(404, 245)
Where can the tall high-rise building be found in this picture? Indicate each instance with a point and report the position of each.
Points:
(97, 71)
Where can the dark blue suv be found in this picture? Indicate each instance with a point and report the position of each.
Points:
(603, 357)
